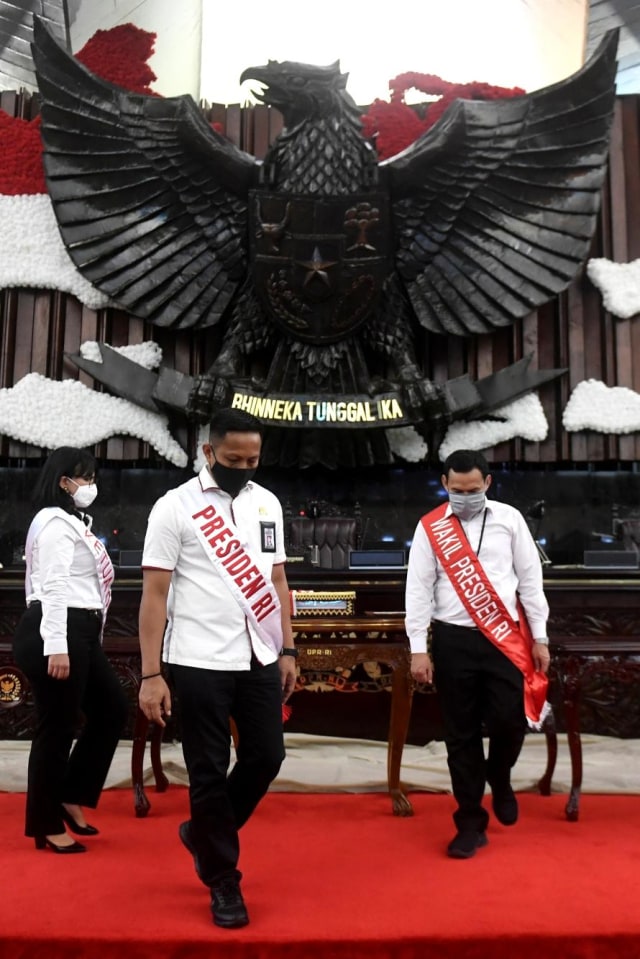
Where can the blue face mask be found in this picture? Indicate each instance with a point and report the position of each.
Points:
(467, 505)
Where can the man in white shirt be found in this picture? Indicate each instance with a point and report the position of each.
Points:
(474, 580)
(213, 569)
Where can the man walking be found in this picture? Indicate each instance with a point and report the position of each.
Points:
(474, 580)
(213, 568)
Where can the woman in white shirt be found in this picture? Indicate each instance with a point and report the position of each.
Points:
(58, 645)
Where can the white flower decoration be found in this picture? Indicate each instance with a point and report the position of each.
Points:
(619, 284)
(524, 418)
(51, 413)
(606, 409)
(406, 442)
(32, 253)
(147, 354)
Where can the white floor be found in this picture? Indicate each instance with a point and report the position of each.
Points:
(327, 764)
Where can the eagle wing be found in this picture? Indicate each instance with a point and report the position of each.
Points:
(496, 205)
(151, 202)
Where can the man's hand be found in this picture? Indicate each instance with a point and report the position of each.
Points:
(541, 657)
(155, 699)
(58, 666)
(287, 666)
(421, 667)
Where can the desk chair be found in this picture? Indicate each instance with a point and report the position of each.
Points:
(323, 534)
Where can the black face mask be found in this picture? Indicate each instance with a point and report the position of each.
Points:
(229, 479)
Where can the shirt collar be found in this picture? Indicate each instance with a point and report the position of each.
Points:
(207, 481)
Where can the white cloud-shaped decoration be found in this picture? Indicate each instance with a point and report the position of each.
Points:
(606, 409)
(203, 437)
(32, 254)
(147, 354)
(619, 284)
(523, 418)
(52, 413)
(407, 443)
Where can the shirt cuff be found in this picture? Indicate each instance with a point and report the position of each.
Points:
(55, 646)
(417, 644)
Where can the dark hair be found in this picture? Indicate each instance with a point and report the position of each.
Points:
(65, 461)
(233, 421)
(464, 461)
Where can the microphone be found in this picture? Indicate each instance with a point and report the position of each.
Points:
(364, 532)
(537, 510)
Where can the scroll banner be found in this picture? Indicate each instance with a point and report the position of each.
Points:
(357, 411)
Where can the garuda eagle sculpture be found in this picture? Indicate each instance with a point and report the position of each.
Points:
(320, 263)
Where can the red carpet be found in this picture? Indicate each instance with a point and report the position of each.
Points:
(332, 876)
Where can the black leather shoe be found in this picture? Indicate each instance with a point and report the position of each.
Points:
(43, 843)
(76, 827)
(464, 844)
(504, 805)
(184, 831)
(227, 905)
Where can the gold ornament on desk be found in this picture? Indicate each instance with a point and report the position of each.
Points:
(310, 602)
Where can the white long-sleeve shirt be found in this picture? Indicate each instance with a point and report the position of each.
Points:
(510, 559)
(63, 573)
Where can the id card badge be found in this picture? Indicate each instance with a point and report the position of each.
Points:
(268, 537)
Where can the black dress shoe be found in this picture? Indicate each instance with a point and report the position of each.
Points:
(227, 905)
(43, 843)
(184, 831)
(504, 805)
(76, 827)
(464, 844)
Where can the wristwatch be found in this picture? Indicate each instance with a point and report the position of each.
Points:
(544, 641)
(289, 651)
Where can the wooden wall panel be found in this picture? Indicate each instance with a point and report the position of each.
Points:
(40, 328)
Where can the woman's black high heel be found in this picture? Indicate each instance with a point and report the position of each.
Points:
(43, 843)
(76, 827)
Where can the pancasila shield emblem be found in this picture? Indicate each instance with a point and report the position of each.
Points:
(319, 264)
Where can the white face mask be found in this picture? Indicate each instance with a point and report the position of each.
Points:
(84, 495)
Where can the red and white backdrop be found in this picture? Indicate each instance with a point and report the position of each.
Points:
(49, 310)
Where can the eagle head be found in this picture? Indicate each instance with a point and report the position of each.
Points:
(302, 91)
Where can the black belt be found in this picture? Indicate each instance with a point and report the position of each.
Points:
(456, 626)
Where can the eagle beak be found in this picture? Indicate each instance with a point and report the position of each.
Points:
(255, 73)
(261, 75)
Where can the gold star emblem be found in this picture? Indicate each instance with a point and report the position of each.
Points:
(316, 266)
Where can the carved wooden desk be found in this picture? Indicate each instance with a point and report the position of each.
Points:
(594, 628)
(598, 679)
(323, 644)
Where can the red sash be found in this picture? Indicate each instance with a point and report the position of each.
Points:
(481, 601)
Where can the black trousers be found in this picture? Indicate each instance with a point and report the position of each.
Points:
(480, 691)
(90, 703)
(220, 803)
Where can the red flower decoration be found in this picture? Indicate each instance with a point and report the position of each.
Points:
(119, 56)
(394, 126)
(21, 169)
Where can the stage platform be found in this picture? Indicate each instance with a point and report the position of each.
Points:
(332, 876)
